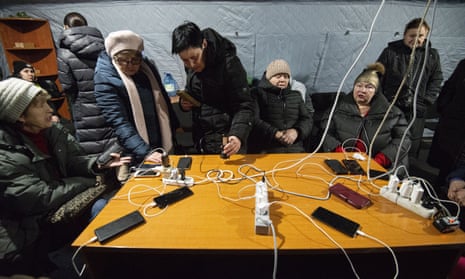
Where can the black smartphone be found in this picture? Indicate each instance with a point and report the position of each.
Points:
(353, 166)
(350, 196)
(173, 196)
(379, 175)
(105, 157)
(184, 163)
(336, 221)
(336, 166)
(118, 226)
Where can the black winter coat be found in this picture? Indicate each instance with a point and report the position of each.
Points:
(30, 187)
(77, 55)
(448, 147)
(276, 110)
(227, 107)
(395, 57)
(348, 124)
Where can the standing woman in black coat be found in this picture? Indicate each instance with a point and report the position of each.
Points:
(282, 120)
(448, 147)
(77, 53)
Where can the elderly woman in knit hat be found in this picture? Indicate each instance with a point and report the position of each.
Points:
(42, 168)
(359, 114)
(282, 120)
(129, 91)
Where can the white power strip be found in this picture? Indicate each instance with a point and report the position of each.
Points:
(262, 213)
(408, 196)
(187, 181)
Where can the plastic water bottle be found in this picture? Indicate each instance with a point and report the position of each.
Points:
(170, 84)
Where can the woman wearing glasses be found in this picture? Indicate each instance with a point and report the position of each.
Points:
(359, 114)
(129, 91)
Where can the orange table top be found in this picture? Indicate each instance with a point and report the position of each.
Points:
(220, 215)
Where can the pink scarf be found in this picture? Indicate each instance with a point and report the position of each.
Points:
(160, 105)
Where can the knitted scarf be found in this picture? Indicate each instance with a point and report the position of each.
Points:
(160, 105)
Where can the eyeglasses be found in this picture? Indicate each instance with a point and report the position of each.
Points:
(367, 86)
(125, 62)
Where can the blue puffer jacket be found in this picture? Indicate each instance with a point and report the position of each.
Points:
(113, 99)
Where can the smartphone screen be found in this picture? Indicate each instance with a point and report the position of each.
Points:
(336, 166)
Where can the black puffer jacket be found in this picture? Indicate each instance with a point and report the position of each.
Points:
(348, 124)
(395, 57)
(77, 55)
(227, 107)
(33, 184)
(448, 147)
(278, 110)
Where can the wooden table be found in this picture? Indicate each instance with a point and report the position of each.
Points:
(208, 236)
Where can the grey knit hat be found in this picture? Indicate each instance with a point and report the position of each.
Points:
(123, 40)
(278, 66)
(15, 96)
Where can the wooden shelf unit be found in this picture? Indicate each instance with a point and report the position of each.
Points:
(31, 40)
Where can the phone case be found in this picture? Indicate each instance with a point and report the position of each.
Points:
(336, 166)
(173, 196)
(336, 221)
(353, 166)
(350, 196)
(183, 94)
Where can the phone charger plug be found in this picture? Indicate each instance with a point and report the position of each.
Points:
(187, 181)
(446, 224)
(358, 156)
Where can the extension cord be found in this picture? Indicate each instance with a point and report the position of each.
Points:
(406, 203)
(188, 181)
(262, 214)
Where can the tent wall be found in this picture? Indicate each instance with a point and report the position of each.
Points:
(319, 39)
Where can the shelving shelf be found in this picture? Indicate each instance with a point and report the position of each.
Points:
(31, 40)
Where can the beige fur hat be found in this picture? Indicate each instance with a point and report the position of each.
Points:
(123, 40)
(278, 66)
(371, 74)
(15, 96)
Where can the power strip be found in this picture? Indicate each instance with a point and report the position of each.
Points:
(187, 181)
(408, 196)
(262, 213)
